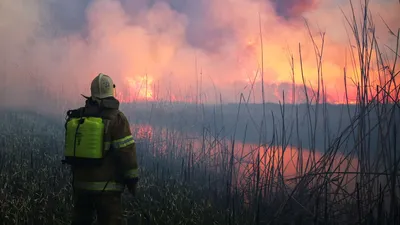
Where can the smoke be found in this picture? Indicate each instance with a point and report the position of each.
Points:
(51, 50)
(293, 8)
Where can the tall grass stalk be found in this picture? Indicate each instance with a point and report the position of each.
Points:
(218, 176)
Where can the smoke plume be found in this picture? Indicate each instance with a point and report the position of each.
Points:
(174, 49)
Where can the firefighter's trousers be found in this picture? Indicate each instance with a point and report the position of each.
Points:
(107, 206)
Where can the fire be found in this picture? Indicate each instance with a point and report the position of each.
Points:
(278, 78)
(141, 85)
(224, 41)
(137, 88)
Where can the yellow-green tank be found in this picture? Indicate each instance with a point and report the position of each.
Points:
(89, 138)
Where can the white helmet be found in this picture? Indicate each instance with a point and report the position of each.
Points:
(102, 86)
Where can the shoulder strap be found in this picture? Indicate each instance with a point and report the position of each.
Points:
(75, 113)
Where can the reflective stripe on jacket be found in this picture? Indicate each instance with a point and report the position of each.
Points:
(123, 142)
(120, 143)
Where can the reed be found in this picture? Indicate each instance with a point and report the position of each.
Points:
(286, 163)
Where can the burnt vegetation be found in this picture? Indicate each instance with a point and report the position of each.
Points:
(198, 168)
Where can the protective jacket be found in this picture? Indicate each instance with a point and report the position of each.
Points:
(117, 167)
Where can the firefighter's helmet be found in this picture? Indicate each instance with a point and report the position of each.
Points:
(102, 86)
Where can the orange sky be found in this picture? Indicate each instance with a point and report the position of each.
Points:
(153, 44)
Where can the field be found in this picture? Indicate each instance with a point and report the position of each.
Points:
(208, 178)
(242, 164)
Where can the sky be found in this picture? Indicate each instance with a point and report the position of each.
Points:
(198, 50)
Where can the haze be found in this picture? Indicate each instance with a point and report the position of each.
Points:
(177, 49)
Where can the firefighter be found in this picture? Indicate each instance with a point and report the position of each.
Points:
(101, 151)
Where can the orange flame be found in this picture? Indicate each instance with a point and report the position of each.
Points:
(137, 88)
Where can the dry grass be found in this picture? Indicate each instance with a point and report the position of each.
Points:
(212, 180)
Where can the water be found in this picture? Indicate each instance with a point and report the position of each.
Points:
(243, 161)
